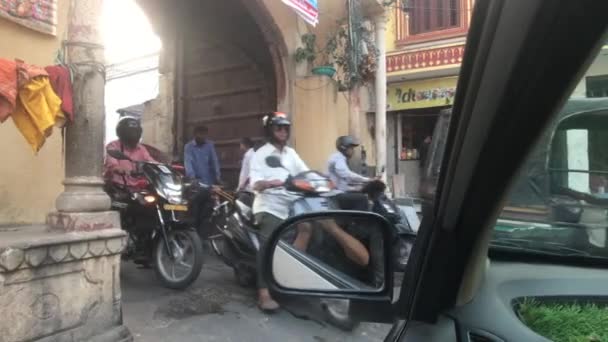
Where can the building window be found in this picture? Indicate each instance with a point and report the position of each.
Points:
(427, 20)
(597, 86)
(433, 15)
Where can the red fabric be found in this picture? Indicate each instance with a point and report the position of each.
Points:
(62, 85)
(8, 88)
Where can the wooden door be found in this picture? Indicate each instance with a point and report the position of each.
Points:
(228, 82)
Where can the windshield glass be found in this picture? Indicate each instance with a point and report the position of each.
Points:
(558, 204)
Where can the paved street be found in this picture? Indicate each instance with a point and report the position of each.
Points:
(215, 308)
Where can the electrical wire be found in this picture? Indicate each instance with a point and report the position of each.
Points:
(315, 88)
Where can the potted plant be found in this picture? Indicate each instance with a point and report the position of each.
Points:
(309, 53)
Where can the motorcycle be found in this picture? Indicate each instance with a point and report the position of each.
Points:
(154, 215)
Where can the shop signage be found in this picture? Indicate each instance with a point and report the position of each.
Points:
(433, 92)
(306, 9)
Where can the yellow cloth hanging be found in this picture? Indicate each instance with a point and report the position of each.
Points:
(37, 110)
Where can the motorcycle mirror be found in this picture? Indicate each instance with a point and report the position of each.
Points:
(117, 155)
(304, 256)
(274, 162)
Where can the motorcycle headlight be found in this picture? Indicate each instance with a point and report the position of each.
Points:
(174, 199)
(172, 196)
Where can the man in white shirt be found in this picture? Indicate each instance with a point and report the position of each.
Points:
(271, 204)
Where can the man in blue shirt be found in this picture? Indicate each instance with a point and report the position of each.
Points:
(200, 158)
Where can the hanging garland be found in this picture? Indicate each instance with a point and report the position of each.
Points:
(352, 49)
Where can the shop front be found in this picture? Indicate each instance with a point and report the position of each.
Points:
(413, 110)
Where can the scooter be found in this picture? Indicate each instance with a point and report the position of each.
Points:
(154, 215)
(237, 242)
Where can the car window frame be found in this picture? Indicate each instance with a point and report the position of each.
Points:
(437, 266)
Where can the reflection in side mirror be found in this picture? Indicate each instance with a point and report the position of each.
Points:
(116, 154)
(333, 252)
(273, 162)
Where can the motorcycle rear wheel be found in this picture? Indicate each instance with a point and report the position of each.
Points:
(187, 250)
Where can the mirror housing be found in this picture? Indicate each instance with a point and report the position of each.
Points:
(116, 154)
(291, 270)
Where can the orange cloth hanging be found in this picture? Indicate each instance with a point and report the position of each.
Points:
(8, 88)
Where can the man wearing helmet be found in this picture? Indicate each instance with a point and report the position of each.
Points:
(337, 166)
(129, 133)
(271, 205)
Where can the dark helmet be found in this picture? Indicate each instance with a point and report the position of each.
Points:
(274, 119)
(129, 130)
(346, 141)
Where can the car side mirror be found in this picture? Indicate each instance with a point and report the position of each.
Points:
(116, 154)
(337, 254)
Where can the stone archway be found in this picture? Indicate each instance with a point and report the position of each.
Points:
(229, 70)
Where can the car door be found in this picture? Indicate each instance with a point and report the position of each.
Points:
(523, 60)
(514, 80)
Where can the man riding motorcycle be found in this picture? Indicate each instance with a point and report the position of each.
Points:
(120, 172)
(271, 204)
(129, 133)
(343, 178)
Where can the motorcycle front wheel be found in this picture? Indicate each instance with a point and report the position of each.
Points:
(180, 267)
(337, 314)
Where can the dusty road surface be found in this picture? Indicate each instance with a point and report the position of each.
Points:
(215, 308)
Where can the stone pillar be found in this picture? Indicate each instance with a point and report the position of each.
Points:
(159, 114)
(60, 282)
(84, 150)
(380, 125)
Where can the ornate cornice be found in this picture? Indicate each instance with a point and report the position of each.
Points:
(427, 58)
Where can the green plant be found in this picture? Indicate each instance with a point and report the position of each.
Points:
(570, 322)
(309, 51)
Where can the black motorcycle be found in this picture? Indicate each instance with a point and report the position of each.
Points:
(154, 215)
(387, 208)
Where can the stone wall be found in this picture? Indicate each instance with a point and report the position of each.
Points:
(61, 287)
(20, 202)
(158, 117)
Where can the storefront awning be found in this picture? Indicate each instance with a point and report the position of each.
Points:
(433, 92)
